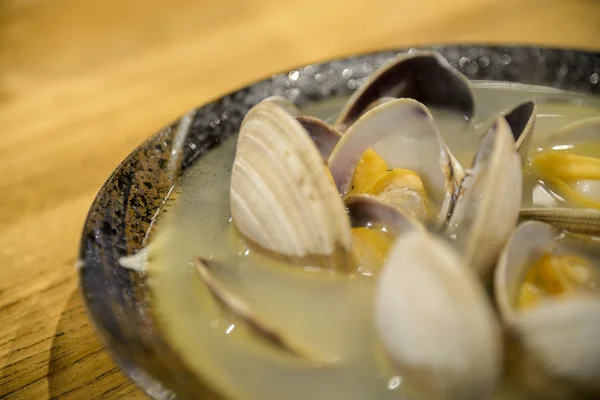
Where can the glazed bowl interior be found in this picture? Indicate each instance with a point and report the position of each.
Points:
(119, 300)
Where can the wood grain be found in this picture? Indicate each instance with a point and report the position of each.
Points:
(83, 82)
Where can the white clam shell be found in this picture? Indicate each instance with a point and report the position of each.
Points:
(425, 76)
(435, 320)
(404, 135)
(487, 209)
(282, 196)
(367, 209)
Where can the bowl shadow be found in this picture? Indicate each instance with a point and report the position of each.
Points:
(79, 366)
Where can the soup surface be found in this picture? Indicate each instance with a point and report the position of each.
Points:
(329, 315)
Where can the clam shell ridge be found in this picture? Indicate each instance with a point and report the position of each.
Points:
(282, 195)
(575, 219)
(435, 321)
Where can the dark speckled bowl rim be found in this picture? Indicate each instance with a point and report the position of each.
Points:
(117, 299)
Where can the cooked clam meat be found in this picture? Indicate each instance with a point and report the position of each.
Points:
(399, 187)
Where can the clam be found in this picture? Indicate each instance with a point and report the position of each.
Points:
(547, 290)
(568, 165)
(435, 321)
(282, 195)
(404, 136)
(425, 76)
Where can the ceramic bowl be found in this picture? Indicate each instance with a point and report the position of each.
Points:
(118, 299)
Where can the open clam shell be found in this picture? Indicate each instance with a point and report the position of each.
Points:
(528, 241)
(487, 208)
(577, 220)
(569, 163)
(402, 132)
(425, 76)
(435, 321)
(282, 195)
(559, 333)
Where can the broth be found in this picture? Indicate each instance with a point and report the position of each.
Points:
(329, 314)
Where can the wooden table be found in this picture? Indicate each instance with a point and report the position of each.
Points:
(83, 82)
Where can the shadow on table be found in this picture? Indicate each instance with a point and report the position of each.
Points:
(79, 367)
